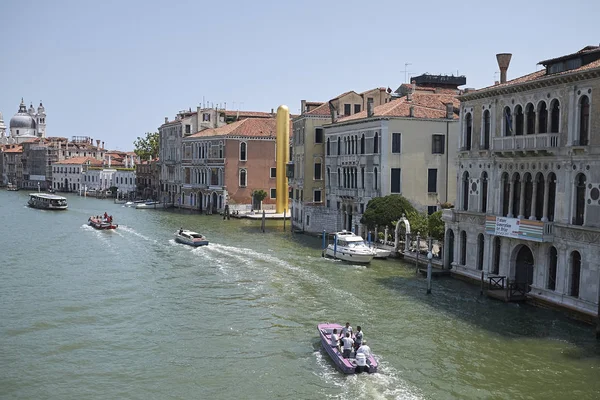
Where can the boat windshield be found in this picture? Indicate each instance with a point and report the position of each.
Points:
(196, 236)
(356, 244)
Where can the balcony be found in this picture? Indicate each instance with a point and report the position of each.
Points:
(448, 215)
(349, 159)
(540, 143)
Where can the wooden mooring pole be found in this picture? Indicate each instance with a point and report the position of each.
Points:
(481, 291)
(284, 219)
(263, 221)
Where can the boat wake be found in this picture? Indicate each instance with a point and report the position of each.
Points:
(136, 233)
(386, 384)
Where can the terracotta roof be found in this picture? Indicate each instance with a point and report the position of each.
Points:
(323, 109)
(17, 149)
(248, 114)
(426, 105)
(251, 127)
(80, 161)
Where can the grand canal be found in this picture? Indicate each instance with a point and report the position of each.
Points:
(130, 314)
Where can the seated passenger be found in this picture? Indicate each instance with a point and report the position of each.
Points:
(364, 349)
(348, 344)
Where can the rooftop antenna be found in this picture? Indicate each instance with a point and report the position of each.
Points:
(405, 71)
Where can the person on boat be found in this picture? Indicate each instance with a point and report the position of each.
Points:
(110, 219)
(105, 215)
(346, 329)
(358, 337)
(364, 349)
(335, 339)
(180, 231)
(348, 345)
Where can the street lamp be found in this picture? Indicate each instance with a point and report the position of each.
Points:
(429, 257)
(38, 187)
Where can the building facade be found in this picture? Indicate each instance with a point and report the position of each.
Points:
(528, 204)
(25, 124)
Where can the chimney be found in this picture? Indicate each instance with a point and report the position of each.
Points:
(98, 143)
(411, 111)
(370, 111)
(333, 112)
(503, 62)
(411, 91)
(109, 160)
(449, 110)
(166, 119)
(302, 106)
(272, 111)
(102, 145)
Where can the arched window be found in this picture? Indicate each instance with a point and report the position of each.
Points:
(552, 264)
(339, 177)
(362, 144)
(243, 176)
(375, 178)
(530, 114)
(507, 122)
(579, 217)
(328, 176)
(328, 147)
(353, 144)
(497, 249)
(465, 191)
(463, 248)
(486, 130)
(505, 194)
(528, 194)
(575, 273)
(376, 143)
(539, 196)
(220, 149)
(480, 244)
(339, 146)
(551, 195)
(243, 155)
(362, 177)
(484, 191)
(554, 116)
(542, 117)
(468, 131)
(584, 120)
(516, 195)
(519, 120)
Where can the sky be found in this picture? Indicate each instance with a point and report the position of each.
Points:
(113, 70)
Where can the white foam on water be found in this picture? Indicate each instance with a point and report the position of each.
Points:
(128, 229)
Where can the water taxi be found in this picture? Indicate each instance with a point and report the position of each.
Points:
(190, 238)
(47, 201)
(349, 247)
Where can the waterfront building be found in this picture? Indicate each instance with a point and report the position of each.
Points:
(12, 168)
(147, 178)
(24, 125)
(71, 174)
(308, 183)
(226, 165)
(528, 205)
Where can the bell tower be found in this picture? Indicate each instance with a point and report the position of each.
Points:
(41, 120)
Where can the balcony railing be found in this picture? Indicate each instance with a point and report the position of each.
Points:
(539, 142)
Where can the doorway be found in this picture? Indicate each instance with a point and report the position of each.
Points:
(524, 268)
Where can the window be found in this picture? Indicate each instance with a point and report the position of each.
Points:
(347, 109)
(584, 120)
(507, 122)
(486, 130)
(362, 144)
(432, 180)
(339, 146)
(317, 196)
(362, 208)
(431, 209)
(575, 273)
(519, 120)
(273, 172)
(542, 118)
(554, 116)
(328, 176)
(480, 243)
(328, 147)
(356, 108)
(579, 217)
(206, 117)
(463, 248)
(396, 180)
(318, 135)
(188, 129)
(243, 155)
(438, 144)
(465, 192)
(396, 142)
(497, 249)
(273, 193)
(318, 168)
(369, 100)
(308, 220)
(468, 131)
(375, 179)
(551, 283)
(328, 203)
(484, 189)
(530, 114)
(243, 177)
(376, 143)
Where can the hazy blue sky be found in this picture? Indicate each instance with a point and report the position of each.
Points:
(113, 70)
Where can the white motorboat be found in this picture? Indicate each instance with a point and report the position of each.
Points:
(381, 253)
(190, 238)
(134, 203)
(350, 247)
(149, 204)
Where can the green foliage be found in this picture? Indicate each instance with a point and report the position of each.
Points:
(418, 223)
(436, 225)
(259, 195)
(147, 147)
(383, 211)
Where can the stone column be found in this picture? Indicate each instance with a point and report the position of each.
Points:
(522, 199)
(534, 199)
(546, 192)
(511, 198)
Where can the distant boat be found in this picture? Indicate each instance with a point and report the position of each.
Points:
(191, 238)
(350, 365)
(47, 201)
(381, 253)
(12, 187)
(102, 223)
(149, 204)
(350, 247)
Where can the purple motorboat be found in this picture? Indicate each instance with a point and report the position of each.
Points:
(346, 365)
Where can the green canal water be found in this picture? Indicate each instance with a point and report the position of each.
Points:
(130, 314)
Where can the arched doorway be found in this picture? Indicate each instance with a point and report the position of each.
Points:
(213, 203)
(524, 268)
(66, 189)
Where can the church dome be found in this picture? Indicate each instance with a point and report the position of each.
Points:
(22, 119)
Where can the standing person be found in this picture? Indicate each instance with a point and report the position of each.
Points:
(358, 337)
(335, 339)
(364, 349)
(348, 344)
(346, 329)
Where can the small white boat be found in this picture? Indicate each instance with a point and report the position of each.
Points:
(190, 238)
(149, 204)
(134, 203)
(47, 201)
(350, 247)
(381, 253)
(12, 187)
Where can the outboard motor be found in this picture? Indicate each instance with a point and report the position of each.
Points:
(361, 363)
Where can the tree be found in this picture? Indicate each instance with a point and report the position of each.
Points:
(418, 224)
(383, 211)
(147, 147)
(258, 196)
(436, 225)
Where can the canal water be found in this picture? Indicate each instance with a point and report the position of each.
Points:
(130, 314)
